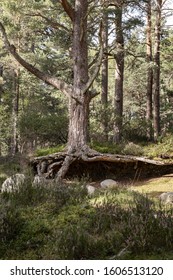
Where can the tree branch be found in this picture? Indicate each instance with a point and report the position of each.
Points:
(68, 9)
(52, 23)
(53, 81)
(96, 66)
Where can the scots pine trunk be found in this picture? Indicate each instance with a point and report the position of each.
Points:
(15, 111)
(149, 58)
(79, 109)
(156, 74)
(1, 91)
(104, 74)
(119, 76)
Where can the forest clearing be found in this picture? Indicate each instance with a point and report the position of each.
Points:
(86, 95)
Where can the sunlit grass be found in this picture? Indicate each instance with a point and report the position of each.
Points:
(158, 185)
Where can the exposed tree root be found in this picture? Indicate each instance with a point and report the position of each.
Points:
(89, 163)
(64, 168)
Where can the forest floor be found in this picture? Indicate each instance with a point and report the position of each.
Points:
(153, 187)
(42, 223)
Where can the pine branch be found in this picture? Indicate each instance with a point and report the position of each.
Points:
(96, 66)
(53, 81)
(68, 9)
(51, 22)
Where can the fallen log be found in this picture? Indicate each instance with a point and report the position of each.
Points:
(98, 166)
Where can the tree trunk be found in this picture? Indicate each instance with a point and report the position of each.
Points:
(149, 58)
(79, 110)
(104, 73)
(15, 110)
(78, 124)
(119, 76)
(156, 74)
(1, 91)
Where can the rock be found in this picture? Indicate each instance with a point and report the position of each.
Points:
(39, 180)
(13, 183)
(90, 189)
(167, 197)
(108, 183)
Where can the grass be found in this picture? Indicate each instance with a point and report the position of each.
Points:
(156, 185)
(49, 150)
(151, 150)
(164, 146)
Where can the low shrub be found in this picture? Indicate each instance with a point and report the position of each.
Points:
(133, 149)
(11, 223)
(63, 222)
(142, 222)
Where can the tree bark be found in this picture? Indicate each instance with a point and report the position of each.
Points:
(1, 91)
(104, 74)
(79, 111)
(149, 59)
(15, 111)
(119, 76)
(156, 74)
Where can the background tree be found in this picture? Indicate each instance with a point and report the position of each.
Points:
(104, 73)
(156, 72)
(149, 59)
(119, 72)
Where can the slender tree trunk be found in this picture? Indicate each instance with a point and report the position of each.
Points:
(15, 110)
(119, 76)
(1, 91)
(104, 73)
(1, 76)
(149, 59)
(156, 74)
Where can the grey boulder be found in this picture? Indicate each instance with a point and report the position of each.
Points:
(167, 197)
(108, 183)
(13, 183)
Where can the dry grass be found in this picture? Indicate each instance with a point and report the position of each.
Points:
(155, 186)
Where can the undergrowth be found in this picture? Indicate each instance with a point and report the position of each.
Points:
(49, 150)
(148, 149)
(63, 222)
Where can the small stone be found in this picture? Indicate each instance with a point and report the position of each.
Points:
(108, 183)
(90, 189)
